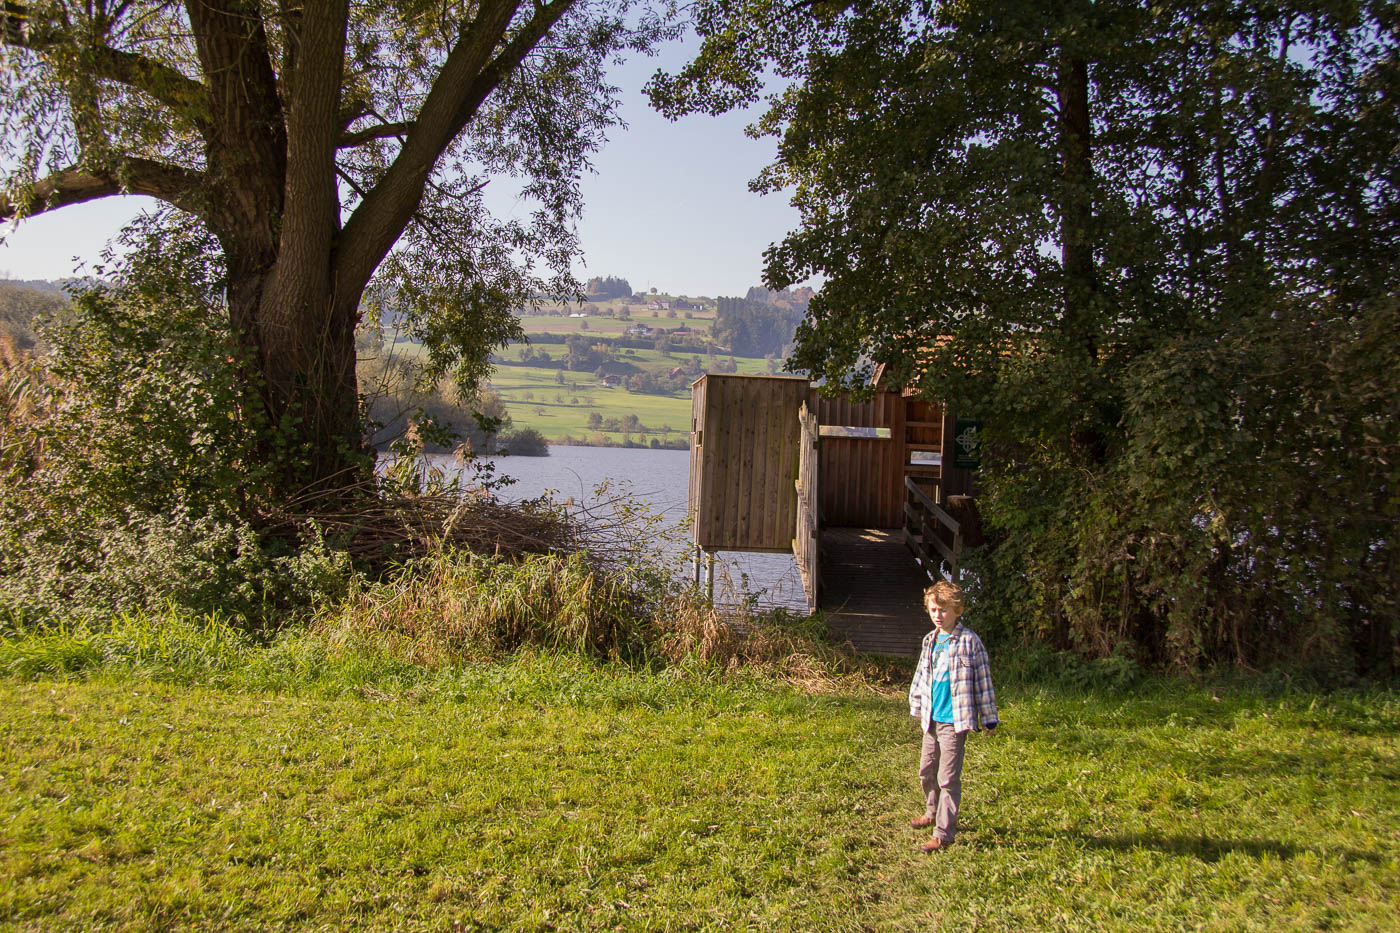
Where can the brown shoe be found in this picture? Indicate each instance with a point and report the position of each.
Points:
(919, 822)
(935, 844)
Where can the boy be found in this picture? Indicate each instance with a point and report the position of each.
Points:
(951, 694)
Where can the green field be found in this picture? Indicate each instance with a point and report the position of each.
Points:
(537, 399)
(548, 792)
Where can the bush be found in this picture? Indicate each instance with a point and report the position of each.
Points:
(525, 442)
(132, 473)
(462, 607)
(1246, 517)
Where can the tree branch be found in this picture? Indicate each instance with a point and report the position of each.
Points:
(351, 139)
(173, 184)
(161, 82)
(242, 87)
(376, 224)
(467, 78)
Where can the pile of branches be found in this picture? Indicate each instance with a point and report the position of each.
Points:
(377, 529)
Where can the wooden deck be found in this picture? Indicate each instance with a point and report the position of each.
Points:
(872, 590)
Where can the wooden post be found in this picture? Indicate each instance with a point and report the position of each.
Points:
(710, 575)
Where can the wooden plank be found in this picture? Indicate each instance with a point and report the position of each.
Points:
(892, 476)
(725, 480)
(948, 553)
(919, 495)
(767, 487)
(715, 464)
(705, 514)
(790, 435)
(746, 456)
(697, 461)
(748, 462)
(914, 545)
(777, 491)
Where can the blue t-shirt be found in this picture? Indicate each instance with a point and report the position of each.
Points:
(941, 699)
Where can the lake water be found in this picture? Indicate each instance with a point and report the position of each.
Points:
(661, 480)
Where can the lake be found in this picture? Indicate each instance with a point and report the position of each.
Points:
(661, 480)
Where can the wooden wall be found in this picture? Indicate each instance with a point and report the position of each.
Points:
(743, 461)
(861, 477)
(862, 483)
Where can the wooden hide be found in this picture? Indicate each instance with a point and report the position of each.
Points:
(743, 461)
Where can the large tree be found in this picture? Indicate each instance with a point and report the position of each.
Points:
(332, 148)
(1104, 227)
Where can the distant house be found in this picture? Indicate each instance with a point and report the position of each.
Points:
(612, 380)
(674, 372)
(639, 330)
(681, 332)
(660, 306)
(680, 304)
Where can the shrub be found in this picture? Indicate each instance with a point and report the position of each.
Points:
(132, 475)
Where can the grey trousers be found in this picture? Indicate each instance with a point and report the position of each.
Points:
(940, 773)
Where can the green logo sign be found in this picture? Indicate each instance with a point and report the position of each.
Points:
(967, 443)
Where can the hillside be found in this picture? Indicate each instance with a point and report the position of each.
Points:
(615, 372)
(618, 372)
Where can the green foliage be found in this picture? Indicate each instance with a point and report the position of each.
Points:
(143, 466)
(524, 442)
(1153, 253)
(21, 306)
(119, 559)
(606, 289)
(155, 409)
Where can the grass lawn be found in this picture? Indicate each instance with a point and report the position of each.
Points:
(555, 794)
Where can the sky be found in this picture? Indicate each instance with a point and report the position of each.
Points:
(668, 207)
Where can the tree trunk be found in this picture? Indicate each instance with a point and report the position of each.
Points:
(276, 211)
(1077, 238)
(1077, 204)
(302, 373)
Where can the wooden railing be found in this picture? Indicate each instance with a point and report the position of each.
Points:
(934, 536)
(806, 542)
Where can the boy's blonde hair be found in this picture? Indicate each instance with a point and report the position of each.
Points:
(948, 595)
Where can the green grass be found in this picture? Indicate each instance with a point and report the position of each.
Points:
(306, 791)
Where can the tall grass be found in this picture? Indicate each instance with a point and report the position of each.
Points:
(167, 641)
(443, 614)
(465, 607)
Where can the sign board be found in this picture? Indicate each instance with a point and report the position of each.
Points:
(967, 443)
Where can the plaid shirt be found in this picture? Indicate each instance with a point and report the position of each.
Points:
(969, 680)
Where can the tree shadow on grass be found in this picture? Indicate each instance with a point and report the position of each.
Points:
(1200, 847)
(1208, 849)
